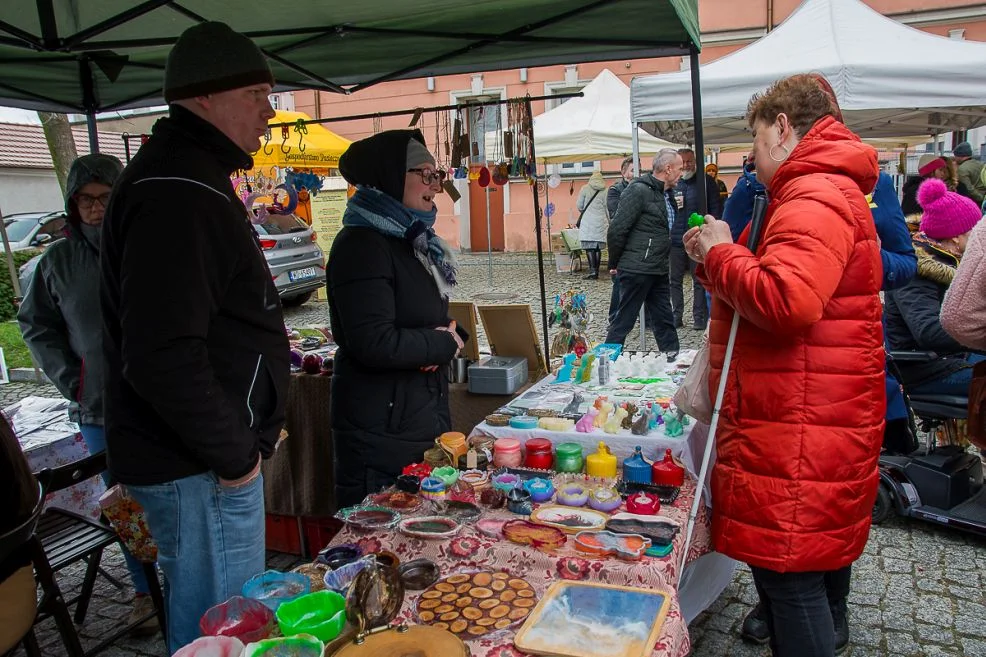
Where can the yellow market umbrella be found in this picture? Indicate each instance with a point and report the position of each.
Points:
(320, 148)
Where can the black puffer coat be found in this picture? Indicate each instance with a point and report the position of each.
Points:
(912, 316)
(384, 306)
(639, 236)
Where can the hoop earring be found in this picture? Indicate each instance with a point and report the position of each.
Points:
(783, 148)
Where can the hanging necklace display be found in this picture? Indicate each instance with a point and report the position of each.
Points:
(501, 170)
(444, 155)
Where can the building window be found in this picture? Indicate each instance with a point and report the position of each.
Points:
(275, 101)
(485, 125)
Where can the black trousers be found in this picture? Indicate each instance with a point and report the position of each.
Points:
(651, 292)
(799, 608)
(614, 301)
(681, 263)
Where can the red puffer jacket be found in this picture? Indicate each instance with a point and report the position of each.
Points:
(802, 421)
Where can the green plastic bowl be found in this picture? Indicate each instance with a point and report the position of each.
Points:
(321, 614)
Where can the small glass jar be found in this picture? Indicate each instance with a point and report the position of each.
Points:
(506, 453)
(437, 457)
(539, 454)
(568, 458)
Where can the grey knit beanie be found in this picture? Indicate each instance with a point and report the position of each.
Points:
(211, 57)
(963, 150)
(417, 154)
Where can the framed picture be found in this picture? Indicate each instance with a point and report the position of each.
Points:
(587, 619)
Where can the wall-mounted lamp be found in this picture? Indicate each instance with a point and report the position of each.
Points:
(523, 75)
(431, 84)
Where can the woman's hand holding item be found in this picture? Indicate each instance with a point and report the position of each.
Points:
(699, 241)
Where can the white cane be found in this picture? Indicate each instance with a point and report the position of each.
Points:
(759, 210)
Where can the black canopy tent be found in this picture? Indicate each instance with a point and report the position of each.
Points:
(90, 57)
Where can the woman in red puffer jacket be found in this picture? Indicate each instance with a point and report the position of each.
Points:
(801, 423)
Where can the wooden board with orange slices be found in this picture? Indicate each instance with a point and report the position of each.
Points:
(473, 605)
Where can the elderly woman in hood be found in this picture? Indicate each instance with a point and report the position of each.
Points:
(389, 277)
(913, 321)
(61, 322)
(593, 221)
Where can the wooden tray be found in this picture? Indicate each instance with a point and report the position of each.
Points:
(587, 619)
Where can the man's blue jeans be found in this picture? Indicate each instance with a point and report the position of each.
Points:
(95, 439)
(210, 541)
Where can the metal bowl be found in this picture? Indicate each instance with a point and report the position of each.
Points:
(419, 574)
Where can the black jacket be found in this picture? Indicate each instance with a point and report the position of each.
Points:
(912, 318)
(197, 360)
(613, 196)
(639, 238)
(386, 412)
(689, 190)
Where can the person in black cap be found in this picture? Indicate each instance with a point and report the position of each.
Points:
(196, 354)
(970, 172)
(389, 278)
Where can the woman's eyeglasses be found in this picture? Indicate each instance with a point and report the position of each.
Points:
(86, 202)
(428, 176)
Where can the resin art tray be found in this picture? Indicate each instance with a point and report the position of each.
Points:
(657, 529)
(430, 527)
(569, 519)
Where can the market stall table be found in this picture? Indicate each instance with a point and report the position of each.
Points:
(49, 440)
(469, 550)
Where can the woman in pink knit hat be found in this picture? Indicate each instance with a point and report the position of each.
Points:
(912, 311)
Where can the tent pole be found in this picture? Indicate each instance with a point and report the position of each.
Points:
(489, 241)
(700, 179)
(93, 134)
(529, 124)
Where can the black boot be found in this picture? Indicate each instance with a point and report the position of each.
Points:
(593, 256)
(840, 618)
(755, 626)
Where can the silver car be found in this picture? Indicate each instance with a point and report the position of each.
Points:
(296, 262)
(33, 230)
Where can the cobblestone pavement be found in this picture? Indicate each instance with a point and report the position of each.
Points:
(916, 591)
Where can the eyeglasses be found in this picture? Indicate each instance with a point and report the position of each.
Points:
(85, 201)
(428, 176)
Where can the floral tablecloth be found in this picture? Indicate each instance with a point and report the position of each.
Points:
(471, 549)
(49, 440)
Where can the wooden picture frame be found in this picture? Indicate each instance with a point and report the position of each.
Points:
(608, 621)
(510, 331)
(464, 314)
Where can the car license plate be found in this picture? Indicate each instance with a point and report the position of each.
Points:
(302, 274)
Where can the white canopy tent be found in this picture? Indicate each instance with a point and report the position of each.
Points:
(592, 127)
(891, 80)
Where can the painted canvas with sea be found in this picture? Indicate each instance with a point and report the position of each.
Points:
(581, 620)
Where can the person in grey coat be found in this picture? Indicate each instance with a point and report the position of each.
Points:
(639, 241)
(62, 325)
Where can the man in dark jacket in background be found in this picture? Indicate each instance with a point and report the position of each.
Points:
(639, 241)
(612, 202)
(686, 202)
(197, 360)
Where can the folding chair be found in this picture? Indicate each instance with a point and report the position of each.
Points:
(63, 538)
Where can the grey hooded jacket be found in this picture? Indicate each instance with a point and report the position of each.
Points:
(60, 316)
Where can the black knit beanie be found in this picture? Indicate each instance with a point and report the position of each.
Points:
(380, 161)
(211, 57)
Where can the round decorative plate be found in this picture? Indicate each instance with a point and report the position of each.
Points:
(430, 527)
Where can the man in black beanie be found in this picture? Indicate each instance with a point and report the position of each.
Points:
(196, 355)
(970, 172)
